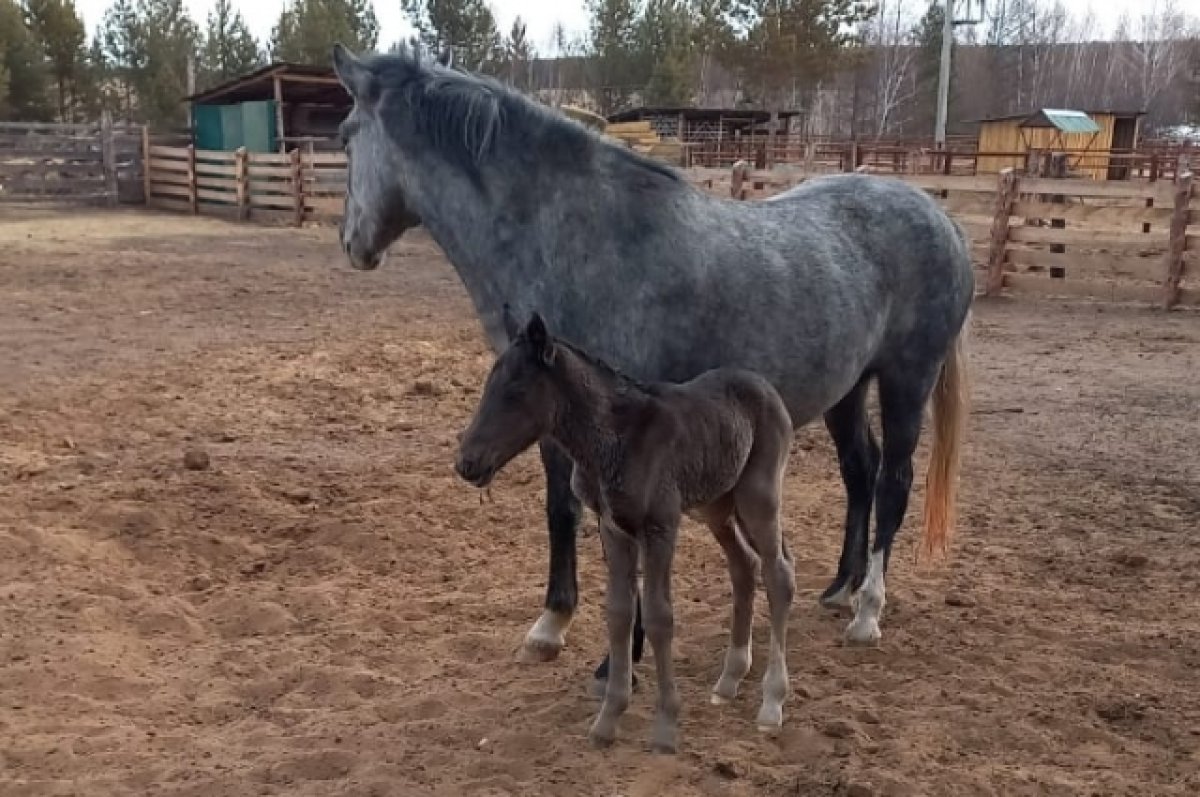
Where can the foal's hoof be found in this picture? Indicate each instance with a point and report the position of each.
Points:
(601, 737)
(863, 633)
(770, 720)
(665, 742)
(598, 686)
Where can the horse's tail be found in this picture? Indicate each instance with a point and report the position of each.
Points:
(950, 409)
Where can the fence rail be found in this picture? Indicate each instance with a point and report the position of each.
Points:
(98, 163)
(1118, 240)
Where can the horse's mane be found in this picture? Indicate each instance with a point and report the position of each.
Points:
(466, 116)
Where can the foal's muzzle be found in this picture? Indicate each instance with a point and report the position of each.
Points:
(474, 472)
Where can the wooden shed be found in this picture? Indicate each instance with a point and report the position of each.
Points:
(279, 107)
(1090, 138)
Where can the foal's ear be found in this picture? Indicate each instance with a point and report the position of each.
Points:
(351, 72)
(539, 338)
(511, 328)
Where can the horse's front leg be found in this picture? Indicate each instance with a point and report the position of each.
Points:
(548, 635)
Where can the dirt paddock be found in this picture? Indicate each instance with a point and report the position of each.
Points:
(321, 608)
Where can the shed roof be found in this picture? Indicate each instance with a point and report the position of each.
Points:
(1028, 114)
(304, 83)
(1062, 119)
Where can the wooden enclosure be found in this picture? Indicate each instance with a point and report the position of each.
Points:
(1122, 240)
(98, 163)
(1010, 140)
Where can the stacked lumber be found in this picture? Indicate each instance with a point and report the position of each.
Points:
(641, 137)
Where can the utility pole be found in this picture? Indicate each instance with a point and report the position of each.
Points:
(943, 96)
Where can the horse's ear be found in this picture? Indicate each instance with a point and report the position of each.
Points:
(446, 57)
(511, 328)
(351, 72)
(539, 338)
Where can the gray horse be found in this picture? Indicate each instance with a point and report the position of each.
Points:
(714, 447)
(837, 283)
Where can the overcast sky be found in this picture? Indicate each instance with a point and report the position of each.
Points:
(540, 15)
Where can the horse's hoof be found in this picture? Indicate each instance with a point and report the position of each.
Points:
(539, 651)
(836, 598)
(863, 633)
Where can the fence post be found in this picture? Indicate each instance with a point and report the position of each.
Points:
(298, 185)
(108, 158)
(736, 179)
(1006, 193)
(146, 164)
(241, 173)
(1178, 241)
(810, 156)
(193, 196)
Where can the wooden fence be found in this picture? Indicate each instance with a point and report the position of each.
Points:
(1117, 240)
(291, 187)
(98, 163)
(1120, 241)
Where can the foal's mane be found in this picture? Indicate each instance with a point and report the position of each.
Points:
(467, 117)
(624, 382)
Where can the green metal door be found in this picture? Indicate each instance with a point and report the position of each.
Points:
(258, 126)
(209, 129)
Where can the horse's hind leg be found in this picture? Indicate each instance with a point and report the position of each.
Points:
(757, 498)
(743, 566)
(902, 397)
(858, 457)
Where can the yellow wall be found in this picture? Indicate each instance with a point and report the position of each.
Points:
(1005, 136)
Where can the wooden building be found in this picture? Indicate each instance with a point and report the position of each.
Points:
(1089, 138)
(279, 107)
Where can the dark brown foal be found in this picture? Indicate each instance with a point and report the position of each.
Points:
(715, 448)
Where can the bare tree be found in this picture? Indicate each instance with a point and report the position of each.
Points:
(890, 37)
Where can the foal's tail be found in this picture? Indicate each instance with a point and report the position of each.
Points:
(950, 409)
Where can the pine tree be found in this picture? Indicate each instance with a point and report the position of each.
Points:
(26, 98)
(468, 26)
(58, 28)
(170, 41)
(230, 49)
(119, 43)
(787, 47)
(664, 45)
(712, 37)
(308, 29)
(614, 65)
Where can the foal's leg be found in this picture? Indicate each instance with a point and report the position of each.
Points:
(858, 457)
(546, 638)
(743, 566)
(621, 552)
(659, 545)
(758, 514)
(902, 398)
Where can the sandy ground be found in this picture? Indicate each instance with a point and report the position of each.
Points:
(325, 610)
